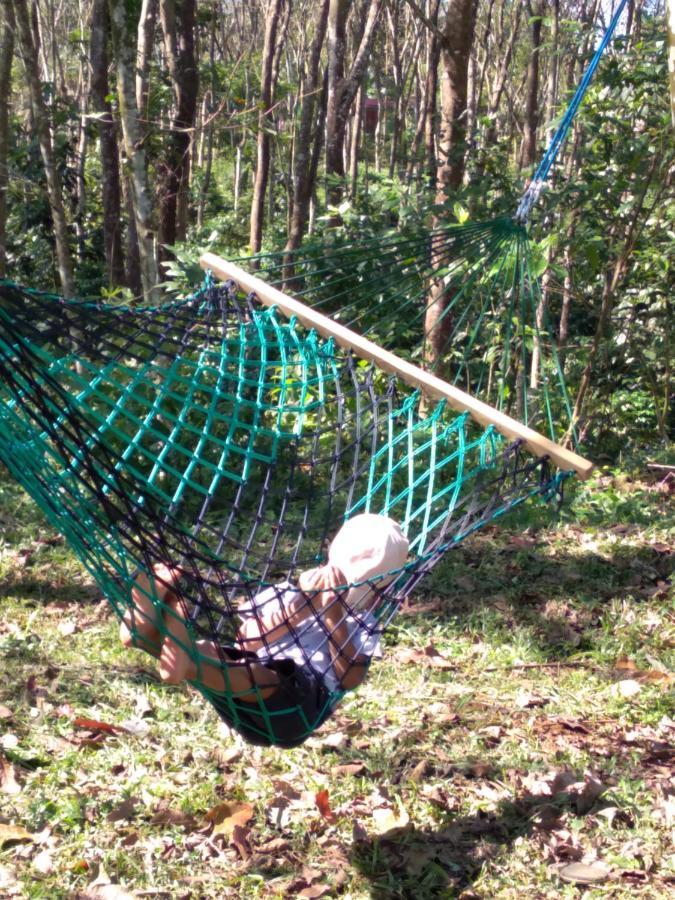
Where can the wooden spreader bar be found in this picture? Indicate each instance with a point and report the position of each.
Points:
(431, 385)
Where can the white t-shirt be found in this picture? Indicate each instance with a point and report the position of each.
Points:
(307, 644)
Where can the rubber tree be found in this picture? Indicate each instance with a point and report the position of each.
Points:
(42, 128)
(311, 125)
(107, 137)
(456, 39)
(178, 27)
(6, 58)
(265, 114)
(528, 150)
(123, 30)
(342, 88)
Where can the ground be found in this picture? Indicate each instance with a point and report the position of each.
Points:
(522, 722)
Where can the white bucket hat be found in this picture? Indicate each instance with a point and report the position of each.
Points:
(368, 546)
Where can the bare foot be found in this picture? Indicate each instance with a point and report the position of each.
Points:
(175, 663)
(205, 665)
(140, 624)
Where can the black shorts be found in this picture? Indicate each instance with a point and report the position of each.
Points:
(287, 718)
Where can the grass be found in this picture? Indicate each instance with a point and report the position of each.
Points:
(523, 719)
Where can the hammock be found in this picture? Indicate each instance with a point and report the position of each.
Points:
(211, 436)
(201, 455)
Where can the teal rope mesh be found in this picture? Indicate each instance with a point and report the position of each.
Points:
(201, 455)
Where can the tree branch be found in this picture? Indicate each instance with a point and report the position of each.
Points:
(425, 19)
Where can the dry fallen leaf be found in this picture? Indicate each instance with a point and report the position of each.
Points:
(95, 725)
(14, 834)
(124, 810)
(276, 845)
(44, 862)
(323, 805)
(108, 892)
(239, 839)
(354, 768)
(387, 819)
(526, 700)
(8, 883)
(313, 891)
(583, 794)
(8, 782)
(165, 815)
(336, 740)
(224, 757)
(225, 816)
(626, 688)
(623, 664)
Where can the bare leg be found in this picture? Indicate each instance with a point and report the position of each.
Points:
(176, 664)
(140, 625)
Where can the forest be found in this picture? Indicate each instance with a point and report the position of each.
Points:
(275, 622)
(134, 135)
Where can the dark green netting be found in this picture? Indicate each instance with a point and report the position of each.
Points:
(209, 438)
(464, 301)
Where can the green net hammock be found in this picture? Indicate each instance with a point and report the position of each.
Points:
(209, 436)
(201, 456)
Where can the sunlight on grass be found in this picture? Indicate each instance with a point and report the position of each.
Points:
(521, 719)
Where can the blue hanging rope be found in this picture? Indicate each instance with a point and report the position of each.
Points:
(531, 195)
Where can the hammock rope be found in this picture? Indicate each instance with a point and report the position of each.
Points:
(541, 174)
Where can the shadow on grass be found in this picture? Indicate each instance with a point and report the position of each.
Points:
(445, 862)
(494, 587)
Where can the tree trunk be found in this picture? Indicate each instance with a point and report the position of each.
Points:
(552, 92)
(568, 287)
(434, 55)
(303, 177)
(356, 141)
(499, 82)
(456, 44)
(133, 276)
(124, 46)
(670, 27)
(178, 26)
(110, 165)
(6, 57)
(455, 53)
(342, 90)
(528, 151)
(146, 37)
(264, 120)
(42, 128)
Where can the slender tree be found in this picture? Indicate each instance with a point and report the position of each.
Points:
(264, 120)
(178, 27)
(41, 125)
(304, 174)
(123, 30)
(6, 58)
(528, 151)
(342, 88)
(107, 136)
(456, 40)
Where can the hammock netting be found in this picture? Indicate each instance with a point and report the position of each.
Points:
(463, 300)
(208, 435)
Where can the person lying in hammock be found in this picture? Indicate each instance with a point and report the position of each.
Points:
(297, 646)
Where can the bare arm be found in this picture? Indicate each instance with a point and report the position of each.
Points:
(349, 668)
